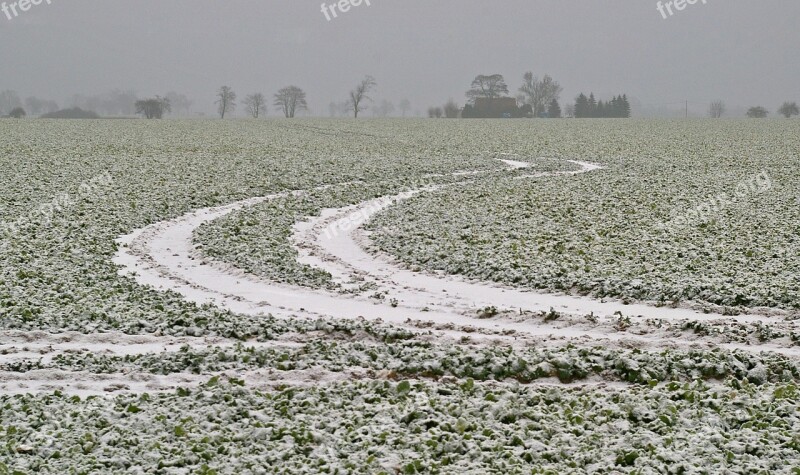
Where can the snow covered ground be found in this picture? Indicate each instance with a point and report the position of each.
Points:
(321, 296)
(164, 255)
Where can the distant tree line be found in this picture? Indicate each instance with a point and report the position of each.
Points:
(450, 110)
(289, 100)
(488, 97)
(292, 99)
(787, 110)
(385, 108)
(113, 103)
(117, 103)
(589, 107)
(11, 105)
(71, 113)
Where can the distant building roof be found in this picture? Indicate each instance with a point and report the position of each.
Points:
(496, 105)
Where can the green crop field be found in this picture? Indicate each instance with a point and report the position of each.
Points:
(399, 296)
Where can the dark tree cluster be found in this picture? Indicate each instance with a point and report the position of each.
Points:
(71, 113)
(757, 112)
(554, 110)
(449, 111)
(115, 103)
(153, 108)
(589, 107)
(488, 98)
(538, 97)
(435, 112)
(788, 109)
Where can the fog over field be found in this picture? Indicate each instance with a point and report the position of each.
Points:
(741, 51)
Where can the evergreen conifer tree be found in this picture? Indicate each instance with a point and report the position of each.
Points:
(554, 110)
(581, 106)
(626, 107)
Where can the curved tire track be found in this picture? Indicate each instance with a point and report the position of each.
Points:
(163, 255)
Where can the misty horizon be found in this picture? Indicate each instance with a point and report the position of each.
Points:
(741, 52)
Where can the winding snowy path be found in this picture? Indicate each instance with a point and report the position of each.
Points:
(163, 255)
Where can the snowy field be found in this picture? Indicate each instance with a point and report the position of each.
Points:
(399, 296)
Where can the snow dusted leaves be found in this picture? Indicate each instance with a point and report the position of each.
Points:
(407, 427)
(462, 408)
(602, 233)
(45, 213)
(59, 275)
(713, 207)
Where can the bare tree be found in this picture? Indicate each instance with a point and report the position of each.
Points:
(451, 109)
(256, 105)
(154, 108)
(716, 109)
(788, 109)
(291, 99)
(226, 101)
(538, 93)
(569, 110)
(487, 86)
(359, 95)
(405, 106)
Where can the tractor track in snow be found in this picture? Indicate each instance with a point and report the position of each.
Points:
(164, 256)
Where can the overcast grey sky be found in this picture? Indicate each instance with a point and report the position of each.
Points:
(743, 51)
